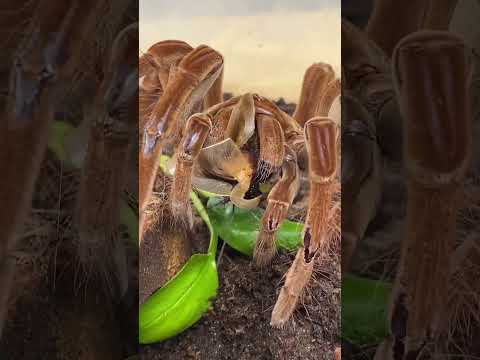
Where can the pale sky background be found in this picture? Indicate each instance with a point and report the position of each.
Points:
(267, 44)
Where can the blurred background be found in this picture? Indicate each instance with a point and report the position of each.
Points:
(267, 45)
(464, 20)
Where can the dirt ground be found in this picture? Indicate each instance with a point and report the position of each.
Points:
(237, 327)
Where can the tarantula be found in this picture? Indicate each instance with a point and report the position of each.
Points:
(235, 146)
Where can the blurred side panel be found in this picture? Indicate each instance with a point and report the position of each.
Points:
(69, 216)
(410, 179)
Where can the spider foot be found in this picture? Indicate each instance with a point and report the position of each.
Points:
(297, 279)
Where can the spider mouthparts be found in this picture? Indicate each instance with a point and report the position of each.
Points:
(253, 191)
